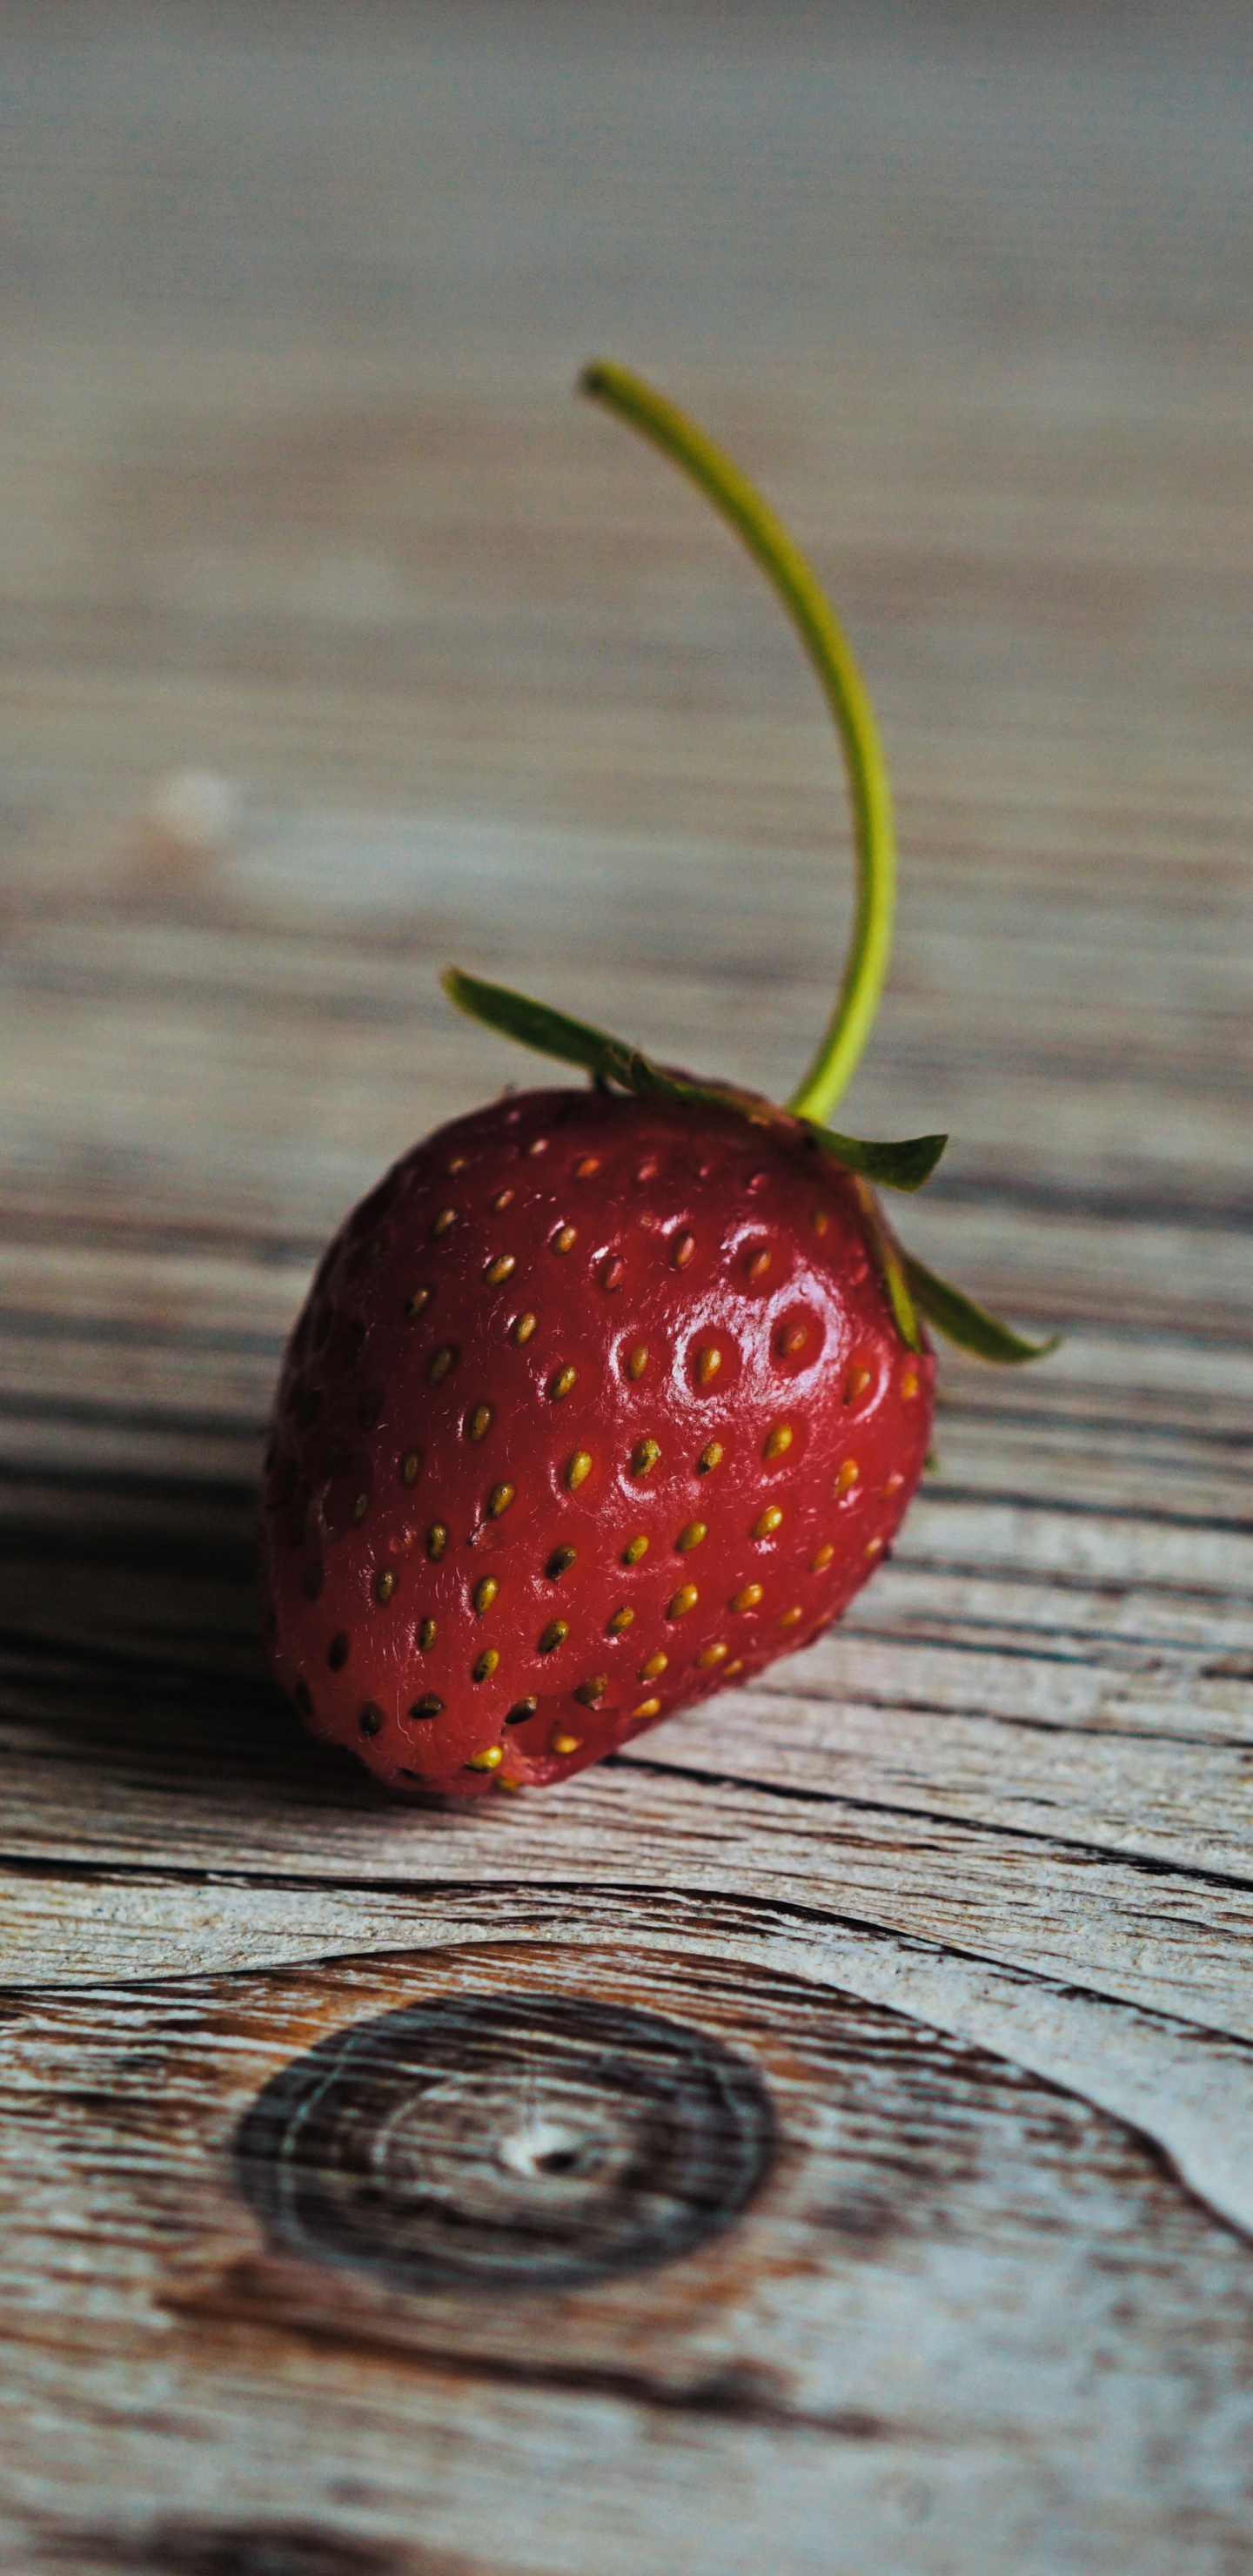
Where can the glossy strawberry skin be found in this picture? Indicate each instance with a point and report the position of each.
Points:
(560, 1327)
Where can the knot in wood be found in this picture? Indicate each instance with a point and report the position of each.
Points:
(496, 2140)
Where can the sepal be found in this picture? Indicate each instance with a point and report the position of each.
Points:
(901, 1166)
(970, 1326)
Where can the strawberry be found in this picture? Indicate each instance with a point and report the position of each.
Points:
(603, 1399)
(595, 1404)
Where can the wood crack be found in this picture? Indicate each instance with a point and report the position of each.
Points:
(535, 1895)
(1148, 1863)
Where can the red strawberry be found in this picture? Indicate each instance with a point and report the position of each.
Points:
(600, 1401)
(595, 1404)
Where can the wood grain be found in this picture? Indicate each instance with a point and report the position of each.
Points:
(937, 2223)
(293, 493)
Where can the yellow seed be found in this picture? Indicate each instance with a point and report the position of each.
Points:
(590, 1692)
(691, 1536)
(683, 1600)
(480, 1422)
(426, 1635)
(420, 1299)
(683, 1248)
(909, 1383)
(583, 1171)
(710, 1456)
(778, 1440)
(524, 1327)
(563, 1381)
(555, 1634)
(847, 1477)
(793, 1339)
(821, 1556)
(486, 1665)
(894, 1482)
(767, 1522)
(559, 1563)
(501, 1268)
(647, 1708)
(384, 1585)
(711, 1655)
(361, 1507)
(499, 1499)
(441, 1364)
(708, 1363)
(489, 1759)
(856, 1383)
(819, 1220)
(873, 1546)
(637, 1360)
(652, 1667)
(447, 1218)
(455, 1165)
(736, 1667)
(790, 1618)
(578, 1469)
(561, 1741)
(538, 1145)
(502, 1200)
(411, 1466)
(437, 1538)
(747, 1597)
(635, 1548)
(565, 1238)
(613, 1271)
(485, 1593)
(644, 1456)
(758, 1264)
(621, 1619)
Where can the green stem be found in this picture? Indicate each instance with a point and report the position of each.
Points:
(829, 651)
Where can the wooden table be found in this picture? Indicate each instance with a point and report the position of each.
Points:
(957, 2271)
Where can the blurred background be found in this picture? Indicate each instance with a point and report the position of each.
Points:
(337, 640)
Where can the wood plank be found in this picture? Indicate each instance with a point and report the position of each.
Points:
(293, 492)
(783, 2360)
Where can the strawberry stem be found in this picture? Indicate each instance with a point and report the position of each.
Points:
(841, 682)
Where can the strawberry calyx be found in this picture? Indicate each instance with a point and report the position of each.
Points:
(903, 1166)
(613, 1063)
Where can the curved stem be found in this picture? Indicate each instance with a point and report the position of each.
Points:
(829, 651)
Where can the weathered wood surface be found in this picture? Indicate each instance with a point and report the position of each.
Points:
(293, 492)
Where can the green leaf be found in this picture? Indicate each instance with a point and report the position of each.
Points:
(902, 1166)
(893, 1266)
(896, 1167)
(533, 1024)
(970, 1326)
